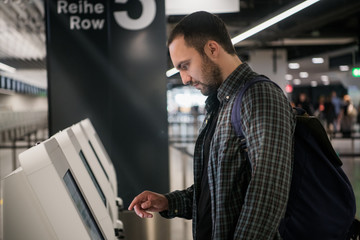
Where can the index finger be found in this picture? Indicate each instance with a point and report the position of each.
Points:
(136, 200)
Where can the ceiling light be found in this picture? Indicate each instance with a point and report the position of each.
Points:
(313, 83)
(294, 65)
(344, 68)
(273, 20)
(326, 82)
(312, 41)
(324, 78)
(263, 26)
(297, 81)
(317, 60)
(184, 7)
(304, 74)
(7, 68)
(288, 77)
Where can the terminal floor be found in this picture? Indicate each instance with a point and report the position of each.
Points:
(181, 174)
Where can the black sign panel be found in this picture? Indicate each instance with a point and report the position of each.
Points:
(107, 62)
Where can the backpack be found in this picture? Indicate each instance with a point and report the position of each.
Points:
(321, 202)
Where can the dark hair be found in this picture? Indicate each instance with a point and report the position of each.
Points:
(200, 27)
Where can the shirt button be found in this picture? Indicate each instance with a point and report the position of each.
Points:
(227, 98)
(176, 211)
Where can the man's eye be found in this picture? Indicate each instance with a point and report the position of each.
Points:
(184, 67)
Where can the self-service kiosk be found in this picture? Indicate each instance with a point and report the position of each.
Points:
(103, 169)
(101, 152)
(61, 191)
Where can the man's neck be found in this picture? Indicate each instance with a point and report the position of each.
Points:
(229, 65)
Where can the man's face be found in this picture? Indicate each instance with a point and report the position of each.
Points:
(195, 70)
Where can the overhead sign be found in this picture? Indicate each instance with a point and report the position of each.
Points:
(79, 9)
(356, 72)
(85, 15)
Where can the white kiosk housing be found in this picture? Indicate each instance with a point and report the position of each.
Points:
(103, 170)
(62, 191)
(99, 148)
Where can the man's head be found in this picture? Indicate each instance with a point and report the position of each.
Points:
(197, 47)
(200, 27)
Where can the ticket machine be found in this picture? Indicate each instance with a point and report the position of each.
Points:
(101, 167)
(59, 192)
(101, 152)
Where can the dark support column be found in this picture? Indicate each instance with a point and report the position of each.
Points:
(108, 64)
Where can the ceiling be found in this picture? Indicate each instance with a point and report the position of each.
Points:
(329, 28)
(22, 40)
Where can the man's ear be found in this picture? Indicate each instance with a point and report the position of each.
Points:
(212, 49)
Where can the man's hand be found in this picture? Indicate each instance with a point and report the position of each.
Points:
(149, 202)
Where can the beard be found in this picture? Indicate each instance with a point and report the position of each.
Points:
(211, 73)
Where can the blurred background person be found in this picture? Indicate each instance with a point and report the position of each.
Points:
(304, 103)
(329, 115)
(347, 117)
(319, 110)
(337, 102)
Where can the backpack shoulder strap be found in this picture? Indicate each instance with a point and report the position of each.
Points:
(311, 123)
(236, 111)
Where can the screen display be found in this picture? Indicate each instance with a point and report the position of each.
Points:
(102, 167)
(82, 207)
(97, 186)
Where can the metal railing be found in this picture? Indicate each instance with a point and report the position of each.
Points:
(183, 130)
(21, 126)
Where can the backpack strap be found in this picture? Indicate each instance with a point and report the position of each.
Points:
(312, 123)
(236, 111)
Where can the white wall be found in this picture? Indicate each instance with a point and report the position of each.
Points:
(262, 62)
(22, 102)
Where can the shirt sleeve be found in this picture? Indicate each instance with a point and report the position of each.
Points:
(268, 123)
(180, 204)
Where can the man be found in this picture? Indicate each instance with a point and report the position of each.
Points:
(230, 199)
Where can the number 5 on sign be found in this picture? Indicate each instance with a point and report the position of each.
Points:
(148, 14)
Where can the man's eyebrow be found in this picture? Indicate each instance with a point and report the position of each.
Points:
(181, 63)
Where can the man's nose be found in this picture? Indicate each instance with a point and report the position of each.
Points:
(185, 77)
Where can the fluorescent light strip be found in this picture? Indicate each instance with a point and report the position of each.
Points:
(7, 68)
(262, 26)
(317, 60)
(289, 77)
(171, 72)
(294, 65)
(304, 74)
(344, 68)
(324, 78)
(313, 83)
(273, 20)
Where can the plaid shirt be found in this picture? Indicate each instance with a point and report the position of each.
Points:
(247, 202)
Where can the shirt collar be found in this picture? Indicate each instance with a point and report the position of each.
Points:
(211, 103)
(232, 83)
